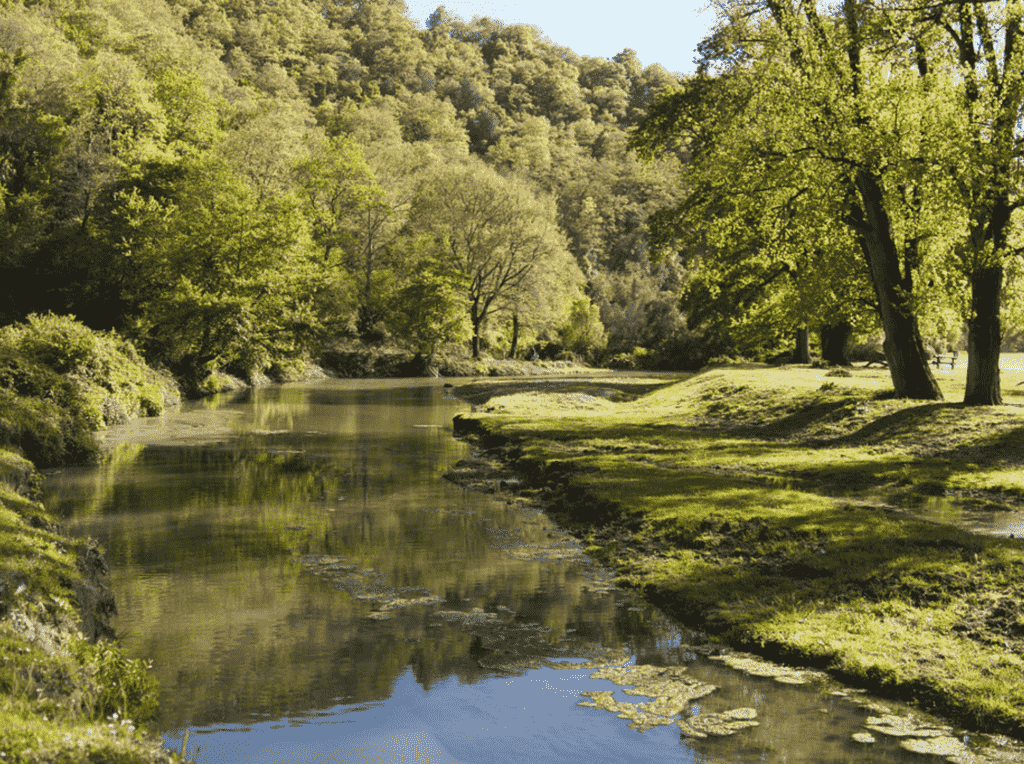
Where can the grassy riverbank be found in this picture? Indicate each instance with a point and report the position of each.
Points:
(777, 506)
(67, 693)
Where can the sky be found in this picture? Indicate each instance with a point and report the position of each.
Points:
(660, 32)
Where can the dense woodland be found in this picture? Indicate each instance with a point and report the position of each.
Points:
(234, 183)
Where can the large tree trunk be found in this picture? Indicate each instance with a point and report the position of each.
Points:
(984, 338)
(835, 342)
(904, 350)
(515, 336)
(984, 330)
(802, 351)
(476, 319)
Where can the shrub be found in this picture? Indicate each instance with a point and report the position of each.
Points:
(583, 331)
(123, 685)
(622, 362)
(58, 342)
(101, 374)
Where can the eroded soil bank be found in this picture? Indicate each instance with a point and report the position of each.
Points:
(747, 501)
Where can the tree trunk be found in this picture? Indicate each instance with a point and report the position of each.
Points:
(802, 351)
(984, 338)
(835, 343)
(476, 319)
(904, 350)
(515, 336)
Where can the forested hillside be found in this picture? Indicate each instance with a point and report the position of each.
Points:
(233, 183)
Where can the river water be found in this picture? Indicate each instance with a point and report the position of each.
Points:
(310, 589)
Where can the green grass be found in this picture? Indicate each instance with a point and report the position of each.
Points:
(62, 698)
(748, 499)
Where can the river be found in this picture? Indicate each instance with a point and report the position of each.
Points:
(310, 589)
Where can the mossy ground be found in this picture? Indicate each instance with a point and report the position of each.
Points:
(750, 499)
(64, 697)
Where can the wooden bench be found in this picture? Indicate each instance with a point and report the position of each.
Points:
(940, 358)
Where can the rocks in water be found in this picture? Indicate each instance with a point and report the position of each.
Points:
(719, 725)
(639, 718)
(749, 664)
(514, 647)
(673, 691)
(474, 616)
(863, 737)
(943, 745)
(904, 726)
(656, 681)
(367, 585)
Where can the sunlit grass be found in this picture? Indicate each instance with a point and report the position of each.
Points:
(746, 498)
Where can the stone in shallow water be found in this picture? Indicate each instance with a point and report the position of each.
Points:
(937, 746)
(863, 737)
(640, 719)
(673, 691)
(476, 615)
(757, 667)
(719, 725)
(904, 726)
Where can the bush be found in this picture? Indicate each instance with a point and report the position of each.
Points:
(622, 362)
(58, 342)
(44, 432)
(583, 332)
(123, 685)
(59, 381)
(102, 375)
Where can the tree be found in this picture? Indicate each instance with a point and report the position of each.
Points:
(809, 100)
(430, 311)
(496, 232)
(987, 43)
(337, 187)
(583, 332)
(229, 276)
(376, 235)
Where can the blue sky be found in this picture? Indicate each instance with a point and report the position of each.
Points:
(660, 32)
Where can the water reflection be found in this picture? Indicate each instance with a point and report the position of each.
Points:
(208, 515)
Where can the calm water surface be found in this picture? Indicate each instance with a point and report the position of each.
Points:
(264, 549)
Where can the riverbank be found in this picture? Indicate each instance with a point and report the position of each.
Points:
(354, 360)
(67, 691)
(776, 507)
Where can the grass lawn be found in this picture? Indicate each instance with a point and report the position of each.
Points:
(751, 498)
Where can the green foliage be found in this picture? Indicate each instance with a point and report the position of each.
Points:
(230, 184)
(111, 377)
(125, 688)
(57, 342)
(497, 234)
(60, 380)
(431, 311)
(583, 332)
(44, 431)
(231, 279)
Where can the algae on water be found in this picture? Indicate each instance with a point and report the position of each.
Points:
(754, 666)
(673, 691)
